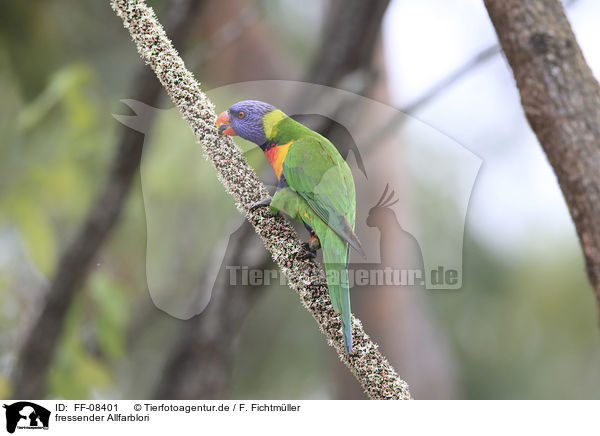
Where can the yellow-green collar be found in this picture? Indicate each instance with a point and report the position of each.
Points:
(270, 121)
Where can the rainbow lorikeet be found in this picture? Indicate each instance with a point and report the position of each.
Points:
(315, 186)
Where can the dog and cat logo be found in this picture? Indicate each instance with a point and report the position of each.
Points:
(26, 415)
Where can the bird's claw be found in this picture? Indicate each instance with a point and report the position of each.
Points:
(308, 252)
(262, 203)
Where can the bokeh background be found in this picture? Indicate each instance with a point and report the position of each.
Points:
(523, 326)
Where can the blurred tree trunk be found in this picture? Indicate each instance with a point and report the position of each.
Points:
(561, 99)
(349, 35)
(31, 369)
(251, 54)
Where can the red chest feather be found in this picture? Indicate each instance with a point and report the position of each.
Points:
(276, 156)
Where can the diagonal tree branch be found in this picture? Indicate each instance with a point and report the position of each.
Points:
(381, 132)
(561, 99)
(31, 369)
(373, 371)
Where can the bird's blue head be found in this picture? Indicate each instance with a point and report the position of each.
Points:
(245, 119)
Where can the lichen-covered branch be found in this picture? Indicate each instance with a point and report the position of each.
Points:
(561, 99)
(372, 370)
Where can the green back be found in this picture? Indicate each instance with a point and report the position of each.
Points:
(317, 172)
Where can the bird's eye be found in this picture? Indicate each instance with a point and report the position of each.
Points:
(241, 114)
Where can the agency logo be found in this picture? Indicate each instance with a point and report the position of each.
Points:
(26, 415)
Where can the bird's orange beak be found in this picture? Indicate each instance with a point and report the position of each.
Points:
(223, 124)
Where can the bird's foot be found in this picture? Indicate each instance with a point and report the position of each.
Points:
(308, 252)
(262, 203)
(314, 243)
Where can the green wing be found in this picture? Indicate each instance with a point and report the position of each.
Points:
(316, 171)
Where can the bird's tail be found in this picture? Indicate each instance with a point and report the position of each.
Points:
(335, 256)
